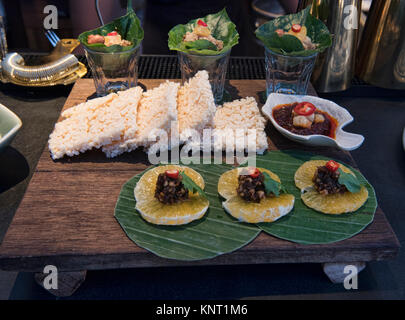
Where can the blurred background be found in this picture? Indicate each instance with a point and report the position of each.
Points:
(374, 51)
(24, 20)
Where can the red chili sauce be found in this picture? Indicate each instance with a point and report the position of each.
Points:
(283, 114)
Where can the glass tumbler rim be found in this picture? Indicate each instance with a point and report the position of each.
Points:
(112, 53)
(286, 56)
(205, 55)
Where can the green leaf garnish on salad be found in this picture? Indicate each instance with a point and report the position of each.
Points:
(272, 186)
(200, 45)
(210, 35)
(127, 26)
(299, 34)
(349, 181)
(190, 185)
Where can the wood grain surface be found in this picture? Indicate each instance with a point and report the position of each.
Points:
(67, 219)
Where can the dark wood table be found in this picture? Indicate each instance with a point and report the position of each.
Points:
(67, 219)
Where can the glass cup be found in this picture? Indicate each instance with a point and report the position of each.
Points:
(3, 40)
(114, 71)
(286, 74)
(216, 67)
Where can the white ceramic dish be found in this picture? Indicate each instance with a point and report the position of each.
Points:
(10, 123)
(344, 140)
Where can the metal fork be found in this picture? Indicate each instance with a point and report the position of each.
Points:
(52, 37)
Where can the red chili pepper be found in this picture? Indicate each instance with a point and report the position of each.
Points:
(304, 109)
(114, 33)
(253, 172)
(174, 174)
(332, 165)
(296, 28)
(202, 23)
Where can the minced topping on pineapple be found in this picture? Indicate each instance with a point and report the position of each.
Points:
(251, 186)
(169, 187)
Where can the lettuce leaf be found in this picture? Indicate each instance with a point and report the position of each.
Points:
(221, 28)
(128, 26)
(316, 31)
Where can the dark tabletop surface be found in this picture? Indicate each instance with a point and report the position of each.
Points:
(379, 115)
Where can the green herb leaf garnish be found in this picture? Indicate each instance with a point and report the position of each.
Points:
(222, 28)
(128, 26)
(272, 186)
(191, 186)
(200, 45)
(289, 45)
(349, 181)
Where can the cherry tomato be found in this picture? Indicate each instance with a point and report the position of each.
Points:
(114, 33)
(202, 23)
(174, 174)
(253, 172)
(304, 109)
(296, 28)
(332, 165)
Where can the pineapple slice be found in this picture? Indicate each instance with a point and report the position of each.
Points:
(269, 209)
(153, 211)
(329, 204)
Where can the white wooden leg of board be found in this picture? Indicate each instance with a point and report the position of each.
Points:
(336, 271)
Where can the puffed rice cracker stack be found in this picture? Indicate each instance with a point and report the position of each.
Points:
(156, 111)
(239, 114)
(195, 105)
(95, 123)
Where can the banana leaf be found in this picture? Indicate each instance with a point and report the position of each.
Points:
(218, 233)
(289, 45)
(305, 225)
(222, 28)
(215, 234)
(128, 26)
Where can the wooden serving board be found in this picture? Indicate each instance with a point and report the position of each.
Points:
(67, 215)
